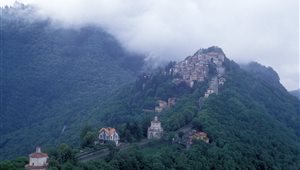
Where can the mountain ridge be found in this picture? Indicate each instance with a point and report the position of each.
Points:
(295, 93)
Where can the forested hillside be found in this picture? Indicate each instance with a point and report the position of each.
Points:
(52, 78)
(252, 123)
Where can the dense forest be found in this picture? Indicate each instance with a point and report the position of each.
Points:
(53, 78)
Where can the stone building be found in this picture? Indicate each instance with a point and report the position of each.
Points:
(161, 106)
(37, 160)
(155, 131)
(199, 136)
(108, 134)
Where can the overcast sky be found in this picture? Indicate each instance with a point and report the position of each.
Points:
(266, 31)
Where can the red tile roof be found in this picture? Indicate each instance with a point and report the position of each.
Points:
(109, 131)
(38, 155)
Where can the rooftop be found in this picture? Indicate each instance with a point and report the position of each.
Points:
(38, 154)
(108, 130)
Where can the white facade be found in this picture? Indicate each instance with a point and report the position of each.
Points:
(155, 131)
(37, 160)
(109, 134)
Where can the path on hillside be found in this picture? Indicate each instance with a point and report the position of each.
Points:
(105, 151)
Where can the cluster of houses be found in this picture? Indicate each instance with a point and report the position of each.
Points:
(196, 67)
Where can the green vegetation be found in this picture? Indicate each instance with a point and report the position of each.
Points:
(53, 80)
(16, 164)
(245, 130)
(253, 123)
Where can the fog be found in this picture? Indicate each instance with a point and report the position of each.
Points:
(266, 31)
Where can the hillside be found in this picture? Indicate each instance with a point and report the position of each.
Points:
(251, 123)
(295, 93)
(52, 78)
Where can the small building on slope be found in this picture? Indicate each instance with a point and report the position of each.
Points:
(108, 134)
(155, 131)
(199, 136)
(37, 160)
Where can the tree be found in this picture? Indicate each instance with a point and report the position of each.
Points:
(196, 124)
(180, 134)
(5, 165)
(89, 139)
(85, 130)
(65, 153)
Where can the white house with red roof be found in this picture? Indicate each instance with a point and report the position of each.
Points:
(108, 134)
(37, 160)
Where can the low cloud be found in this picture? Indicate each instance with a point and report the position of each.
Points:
(266, 31)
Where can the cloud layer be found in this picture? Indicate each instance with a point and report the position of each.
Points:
(266, 31)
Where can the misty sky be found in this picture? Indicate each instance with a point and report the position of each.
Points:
(266, 31)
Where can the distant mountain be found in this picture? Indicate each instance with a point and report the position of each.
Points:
(295, 93)
(266, 74)
(52, 78)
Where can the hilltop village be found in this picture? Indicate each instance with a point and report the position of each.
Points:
(197, 68)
